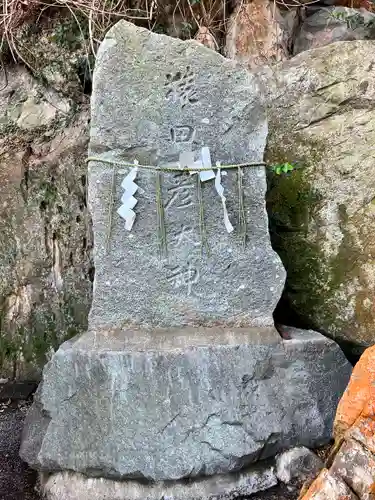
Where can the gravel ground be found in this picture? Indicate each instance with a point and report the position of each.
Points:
(17, 481)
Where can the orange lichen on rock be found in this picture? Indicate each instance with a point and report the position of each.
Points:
(328, 487)
(357, 406)
(364, 432)
(356, 4)
(353, 455)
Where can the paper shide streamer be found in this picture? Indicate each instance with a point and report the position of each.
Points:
(204, 171)
(127, 199)
(220, 192)
(202, 168)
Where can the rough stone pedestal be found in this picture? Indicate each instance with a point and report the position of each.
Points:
(73, 486)
(181, 375)
(169, 406)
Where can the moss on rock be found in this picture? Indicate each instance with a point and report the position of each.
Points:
(291, 202)
(45, 236)
(322, 214)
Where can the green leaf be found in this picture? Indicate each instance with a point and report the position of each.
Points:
(288, 167)
(186, 26)
(282, 168)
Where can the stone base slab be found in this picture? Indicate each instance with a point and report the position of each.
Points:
(171, 405)
(73, 486)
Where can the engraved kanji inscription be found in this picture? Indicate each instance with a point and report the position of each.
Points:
(181, 87)
(182, 133)
(180, 194)
(184, 277)
(185, 235)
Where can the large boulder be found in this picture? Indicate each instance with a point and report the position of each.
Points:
(321, 116)
(334, 24)
(170, 405)
(45, 239)
(351, 459)
(258, 34)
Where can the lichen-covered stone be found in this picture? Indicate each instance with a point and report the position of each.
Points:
(355, 416)
(45, 239)
(182, 403)
(329, 486)
(356, 466)
(297, 465)
(333, 24)
(352, 457)
(321, 117)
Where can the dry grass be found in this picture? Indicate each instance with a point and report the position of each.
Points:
(99, 14)
(183, 17)
(356, 4)
(294, 3)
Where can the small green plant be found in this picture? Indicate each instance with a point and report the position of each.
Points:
(282, 168)
(186, 28)
(354, 21)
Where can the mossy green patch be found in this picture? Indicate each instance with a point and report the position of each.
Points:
(318, 279)
(48, 192)
(29, 345)
(293, 204)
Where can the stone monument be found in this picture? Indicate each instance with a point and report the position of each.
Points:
(181, 374)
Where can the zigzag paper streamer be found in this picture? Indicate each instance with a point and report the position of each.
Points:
(127, 199)
(220, 192)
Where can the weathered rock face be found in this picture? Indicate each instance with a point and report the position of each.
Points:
(166, 405)
(356, 466)
(322, 214)
(334, 24)
(355, 416)
(329, 486)
(45, 241)
(258, 35)
(351, 459)
(73, 486)
(163, 110)
(60, 56)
